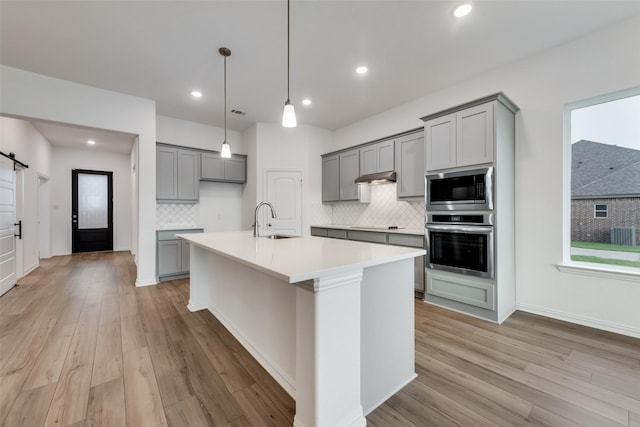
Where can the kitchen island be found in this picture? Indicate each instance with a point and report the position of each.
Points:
(331, 320)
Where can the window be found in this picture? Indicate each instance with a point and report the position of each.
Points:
(602, 182)
(600, 211)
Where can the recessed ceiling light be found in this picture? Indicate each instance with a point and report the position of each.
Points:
(306, 101)
(462, 10)
(362, 70)
(196, 94)
(91, 142)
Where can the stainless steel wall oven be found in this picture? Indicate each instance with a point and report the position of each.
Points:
(460, 243)
(460, 190)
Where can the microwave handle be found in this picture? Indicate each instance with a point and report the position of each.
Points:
(459, 228)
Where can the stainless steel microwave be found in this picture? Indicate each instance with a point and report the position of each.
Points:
(460, 190)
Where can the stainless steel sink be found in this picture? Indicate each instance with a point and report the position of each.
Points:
(279, 236)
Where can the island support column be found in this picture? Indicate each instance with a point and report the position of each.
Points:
(328, 352)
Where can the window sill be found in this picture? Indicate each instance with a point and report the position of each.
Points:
(619, 273)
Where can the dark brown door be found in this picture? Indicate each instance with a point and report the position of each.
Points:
(92, 210)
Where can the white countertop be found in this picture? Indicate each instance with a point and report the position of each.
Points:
(414, 231)
(177, 227)
(299, 258)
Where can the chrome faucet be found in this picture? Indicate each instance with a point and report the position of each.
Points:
(256, 226)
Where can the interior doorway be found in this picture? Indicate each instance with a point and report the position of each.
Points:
(92, 210)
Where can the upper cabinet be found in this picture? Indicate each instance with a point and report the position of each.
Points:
(410, 165)
(331, 178)
(177, 174)
(464, 135)
(349, 171)
(180, 170)
(216, 168)
(339, 173)
(460, 139)
(378, 157)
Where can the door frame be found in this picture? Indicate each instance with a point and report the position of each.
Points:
(44, 217)
(74, 204)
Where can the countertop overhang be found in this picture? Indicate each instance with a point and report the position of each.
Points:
(299, 258)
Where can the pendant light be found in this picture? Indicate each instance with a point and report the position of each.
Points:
(226, 149)
(289, 114)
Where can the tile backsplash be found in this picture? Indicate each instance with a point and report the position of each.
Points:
(384, 209)
(177, 214)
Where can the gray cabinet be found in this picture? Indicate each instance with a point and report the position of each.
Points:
(215, 168)
(462, 138)
(173, 254)
(177, 174)
(331, 178)
(381, 237)
(166, 173)
(349, 170)
(378, 157)
(410, 165)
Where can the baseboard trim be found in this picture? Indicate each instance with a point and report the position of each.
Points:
(581, 320)
(141, 284)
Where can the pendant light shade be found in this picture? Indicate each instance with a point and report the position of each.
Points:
(289, 113)
(225, 152)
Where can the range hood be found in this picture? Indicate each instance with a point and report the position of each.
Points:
(377, 178)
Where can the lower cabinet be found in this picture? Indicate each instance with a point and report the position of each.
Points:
(173, 254)
(472, 292)
(395, 239)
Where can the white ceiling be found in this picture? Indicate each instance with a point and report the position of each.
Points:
(161, 50)
(62, 135)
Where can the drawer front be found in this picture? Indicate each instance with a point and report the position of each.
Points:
(337, 234)
(406, 240)
(368, 236)
(320, 232)
(467, 292)
(171, 234)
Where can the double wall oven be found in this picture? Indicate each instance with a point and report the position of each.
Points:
(457, 239)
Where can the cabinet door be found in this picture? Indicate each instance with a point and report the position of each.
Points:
(330, 179)
(385, 156)
(368, 159)
(188, 174)
(166, 173)
(475, 135)
(169, 257)
(211, 166)
(349, 171)
(410, 166)
(235, 169)
(440, 142)
(185, 256)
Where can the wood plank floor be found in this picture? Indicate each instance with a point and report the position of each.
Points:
(81, 345)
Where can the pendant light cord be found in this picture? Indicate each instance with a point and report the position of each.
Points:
(288, 43)
(225, 99)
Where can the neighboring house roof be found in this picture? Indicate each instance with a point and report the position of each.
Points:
(603, 170)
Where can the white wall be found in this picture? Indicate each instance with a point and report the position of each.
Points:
(30, 147)
(296, 148)
(66, 159)
(541, 85)
(31, 95)
(249, 194)
(196, 135)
